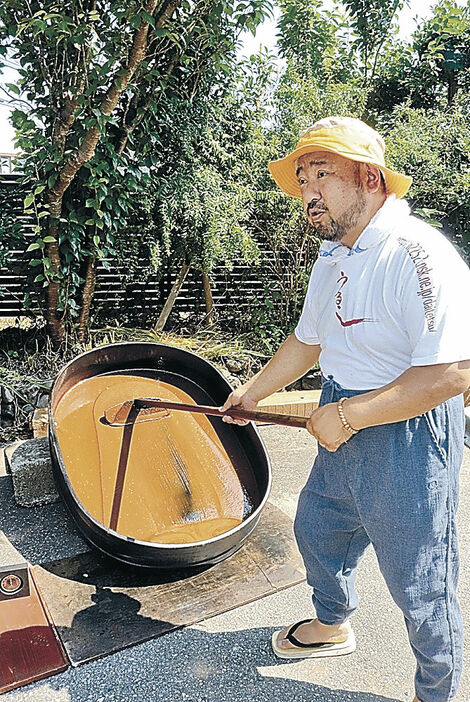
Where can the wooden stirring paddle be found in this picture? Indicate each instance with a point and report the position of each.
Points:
(151, 408)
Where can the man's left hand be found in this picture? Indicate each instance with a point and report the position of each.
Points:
(325, 425)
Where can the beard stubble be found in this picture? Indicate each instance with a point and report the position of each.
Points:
(336, 229)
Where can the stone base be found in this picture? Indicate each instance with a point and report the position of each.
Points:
(31, 471)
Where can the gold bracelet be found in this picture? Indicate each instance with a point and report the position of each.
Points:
(344, 421)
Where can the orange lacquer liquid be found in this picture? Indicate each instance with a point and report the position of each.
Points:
(180, 485)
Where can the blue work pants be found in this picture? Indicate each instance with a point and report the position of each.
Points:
(394, 486)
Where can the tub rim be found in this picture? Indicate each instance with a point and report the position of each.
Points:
(53, 439)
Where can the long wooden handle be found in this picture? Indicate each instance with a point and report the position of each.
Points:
(235, 412)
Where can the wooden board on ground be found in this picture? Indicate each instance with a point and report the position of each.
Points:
(294, 402)
(3, 463)
(100, 607)
(39, 422)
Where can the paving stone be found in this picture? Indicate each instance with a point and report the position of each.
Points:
(31, 471)
(43, 533)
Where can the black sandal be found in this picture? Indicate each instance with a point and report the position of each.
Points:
(312, 650)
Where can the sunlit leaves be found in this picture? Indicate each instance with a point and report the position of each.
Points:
(433, 147)
(69, 58)
(313, 40)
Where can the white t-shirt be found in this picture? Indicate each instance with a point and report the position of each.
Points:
(398, 298)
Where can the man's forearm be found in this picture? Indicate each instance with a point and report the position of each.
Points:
(292, 360)
(417, 390)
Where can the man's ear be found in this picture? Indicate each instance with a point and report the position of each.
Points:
(371, 178)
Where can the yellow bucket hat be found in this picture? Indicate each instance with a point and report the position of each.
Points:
(346, 136)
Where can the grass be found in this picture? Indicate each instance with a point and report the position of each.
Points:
(212, 346)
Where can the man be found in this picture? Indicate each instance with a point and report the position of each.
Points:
(385, 315)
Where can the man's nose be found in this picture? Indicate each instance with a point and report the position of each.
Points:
(310, 194)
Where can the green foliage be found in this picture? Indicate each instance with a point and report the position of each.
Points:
(198, 209)
(442, 46)
(179, 172)
(329, 45)
(204, 219)
(76, 61)
(300, 102)
(393, 82)
(433, 146)
(430, 69)
(314, 40)
(254, 85)
(288, 248)
(372, 22)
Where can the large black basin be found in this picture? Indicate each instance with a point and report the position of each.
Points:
(206, 385)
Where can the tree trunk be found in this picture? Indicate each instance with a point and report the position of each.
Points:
(452, 87)
(208, 299)
(168, 306)
(87, 297)
(54, 320)
(86, 152)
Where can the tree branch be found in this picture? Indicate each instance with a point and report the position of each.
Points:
(129, 128)
(38, 55)
(119, 83)
(167, 9)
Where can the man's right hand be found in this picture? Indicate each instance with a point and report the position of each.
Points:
(241, 398)
(292, 359)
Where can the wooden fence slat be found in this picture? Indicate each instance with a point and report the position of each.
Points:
(231, 290)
